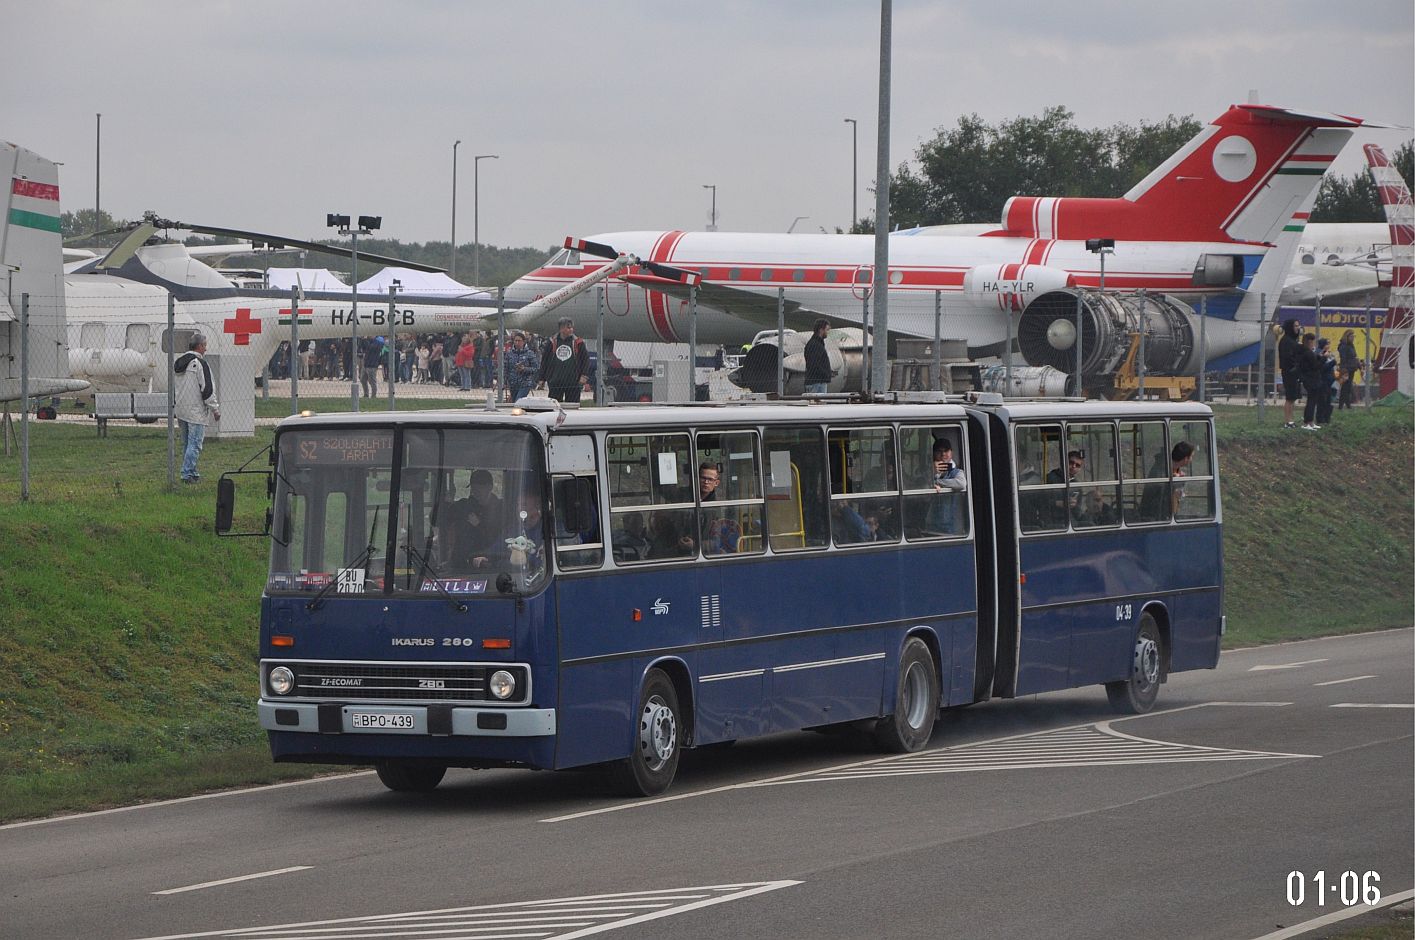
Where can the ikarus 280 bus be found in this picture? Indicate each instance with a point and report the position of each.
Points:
(561, 588)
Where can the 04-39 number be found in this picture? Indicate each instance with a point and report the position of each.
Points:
(1348, 887)
(1124, 612)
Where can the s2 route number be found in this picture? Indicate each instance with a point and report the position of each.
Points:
(1124, 612)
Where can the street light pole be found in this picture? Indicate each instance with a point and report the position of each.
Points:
(367, 225)
(854, 171)
(97, 165)
(452, 268)
(712, 223)
(476, 219)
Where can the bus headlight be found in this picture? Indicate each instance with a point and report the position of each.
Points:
(502, 684)
(281, 680)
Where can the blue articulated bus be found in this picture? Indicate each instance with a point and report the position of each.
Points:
(562, 588)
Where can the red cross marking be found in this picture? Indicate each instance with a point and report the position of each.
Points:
(242, 326)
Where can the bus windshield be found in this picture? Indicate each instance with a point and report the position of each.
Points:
(432, 511)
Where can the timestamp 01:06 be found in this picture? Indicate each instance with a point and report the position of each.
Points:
(1322, 888)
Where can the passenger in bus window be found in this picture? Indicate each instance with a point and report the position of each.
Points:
(1152, 501)
(948, 480)
(629, 541)
(665, 540)
(708, 479)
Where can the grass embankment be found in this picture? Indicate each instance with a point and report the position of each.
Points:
(128, 647)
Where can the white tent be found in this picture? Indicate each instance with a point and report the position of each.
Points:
(418, 282)
(309, 279)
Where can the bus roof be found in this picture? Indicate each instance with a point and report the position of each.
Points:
(549, 420)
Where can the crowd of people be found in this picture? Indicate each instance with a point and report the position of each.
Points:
(1310, 369)
(464, 361)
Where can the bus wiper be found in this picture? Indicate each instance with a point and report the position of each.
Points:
(361, 561)
(425, 568)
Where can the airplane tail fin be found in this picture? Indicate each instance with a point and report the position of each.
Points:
(31, 263)
(1400, 216)
(1240, 179)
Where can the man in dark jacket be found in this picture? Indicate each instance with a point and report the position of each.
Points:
(565, 363)
(817, 360)
(1309, 371)
(1288, 349)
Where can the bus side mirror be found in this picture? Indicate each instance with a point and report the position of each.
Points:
(225, 504)
(575, 503)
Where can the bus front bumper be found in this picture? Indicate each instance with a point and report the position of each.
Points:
(443, 720)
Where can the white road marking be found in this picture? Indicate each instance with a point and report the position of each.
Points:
(1340, 681)
(771, 781)
(552, 919)
(1305, 662)
(185, 799)
(228, 881)
(1306, 927)
(1370, 705)
(1098, 745)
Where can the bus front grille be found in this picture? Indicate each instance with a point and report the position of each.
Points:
(410, 682)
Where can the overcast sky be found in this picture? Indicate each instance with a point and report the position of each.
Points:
(612, 115)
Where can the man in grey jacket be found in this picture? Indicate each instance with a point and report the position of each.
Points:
(196, 405)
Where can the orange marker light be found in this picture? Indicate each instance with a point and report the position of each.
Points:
(1021, 579)
(638, 615)
(496, 644)
(282, 640)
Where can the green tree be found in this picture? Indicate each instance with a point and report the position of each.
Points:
(1354, 198)
(966, 173)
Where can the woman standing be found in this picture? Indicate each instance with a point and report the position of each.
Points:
(1346, 359)
(1309, 370)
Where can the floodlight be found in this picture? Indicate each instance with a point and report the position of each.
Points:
(336, 221)
(1100, 244)
(370, 222)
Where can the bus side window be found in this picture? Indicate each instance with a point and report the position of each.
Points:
(730, 509)
(1041, 482)
(1196, 487)
(796, 491)
(577, 529)
(1093, 496)
(932, 510)
(652, 498)
(1144, 468)
(864, 498)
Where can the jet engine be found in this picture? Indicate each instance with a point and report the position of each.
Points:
(1046, 332)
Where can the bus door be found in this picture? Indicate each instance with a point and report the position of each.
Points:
(731, 515)
(1044, 634)
(988, 534)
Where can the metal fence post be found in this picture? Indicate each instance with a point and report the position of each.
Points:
(1140, 353)
(1366, 372)
(1007, 357)
(171, 392)
(780, 341)
(24, 397)
(938, 341)
(500, 363)
(693, 343)
(1203, 349)
(867, 350)
(599, 344)
(1262, 355)
(295, 359)
(392, 349)
(1080, 385)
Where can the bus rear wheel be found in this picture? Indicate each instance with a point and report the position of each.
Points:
(1137, 694)
(410, 778)
(915, 702)
(658, 740)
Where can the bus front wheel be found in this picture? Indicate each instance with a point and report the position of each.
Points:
(1137, 694)
(658, 740)
(915, 702)
(410, 778)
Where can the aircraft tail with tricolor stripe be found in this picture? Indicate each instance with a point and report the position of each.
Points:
(32, 278)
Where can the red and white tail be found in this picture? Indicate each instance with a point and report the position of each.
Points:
(1240, 179)
(1396, 369)
(31, 264)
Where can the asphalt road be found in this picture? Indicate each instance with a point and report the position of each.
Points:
(1039, 817)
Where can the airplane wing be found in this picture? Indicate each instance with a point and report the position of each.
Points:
(759, 309)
